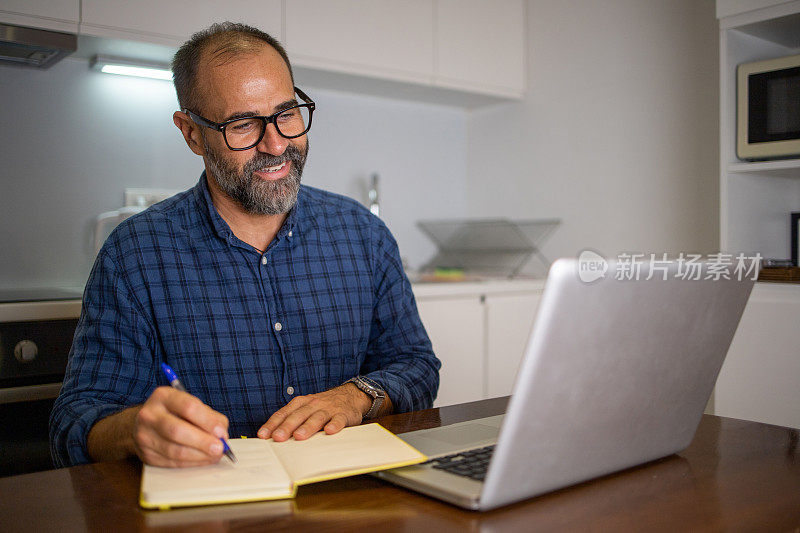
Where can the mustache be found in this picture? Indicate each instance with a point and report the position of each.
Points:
(261, 160)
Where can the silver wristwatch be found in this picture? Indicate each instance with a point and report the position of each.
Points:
(371, 389)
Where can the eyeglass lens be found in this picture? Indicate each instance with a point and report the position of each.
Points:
(247, 132)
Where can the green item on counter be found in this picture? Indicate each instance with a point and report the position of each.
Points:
(445, 272)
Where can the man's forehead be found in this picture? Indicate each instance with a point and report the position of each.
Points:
(217, 60)
(258, 73)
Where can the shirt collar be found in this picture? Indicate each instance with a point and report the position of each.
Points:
(221, 228)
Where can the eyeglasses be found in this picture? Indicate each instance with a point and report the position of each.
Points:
(244, 133)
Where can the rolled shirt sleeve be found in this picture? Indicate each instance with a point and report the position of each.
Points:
(399, 357)
(110, 364)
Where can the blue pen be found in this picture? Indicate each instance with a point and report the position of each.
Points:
(172, 377)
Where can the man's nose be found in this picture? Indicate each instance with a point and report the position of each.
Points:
(272, 142)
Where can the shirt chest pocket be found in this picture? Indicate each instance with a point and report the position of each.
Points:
(332, 322)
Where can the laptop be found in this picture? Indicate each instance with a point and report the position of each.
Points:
(616, 373)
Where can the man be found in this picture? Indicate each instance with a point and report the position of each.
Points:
(283, 309)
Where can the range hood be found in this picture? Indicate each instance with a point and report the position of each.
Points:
(33, 47)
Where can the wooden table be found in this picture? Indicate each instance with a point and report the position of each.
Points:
(736, 475)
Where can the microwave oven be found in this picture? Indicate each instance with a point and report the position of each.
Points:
(768, 109)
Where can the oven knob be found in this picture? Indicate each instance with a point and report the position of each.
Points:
(26, 351)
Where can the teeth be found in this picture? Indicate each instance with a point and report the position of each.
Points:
(275, 168)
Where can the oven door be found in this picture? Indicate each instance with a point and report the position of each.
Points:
(35, 338)
(33, 358)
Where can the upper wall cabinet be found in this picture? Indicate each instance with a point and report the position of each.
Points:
(468, 45)
(172, 22)
(459, 52)
(481, 44)
(386, 38)
(58, 15)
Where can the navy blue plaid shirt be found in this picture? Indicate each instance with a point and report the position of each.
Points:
(245, 331)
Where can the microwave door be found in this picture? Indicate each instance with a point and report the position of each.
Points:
(769, 109)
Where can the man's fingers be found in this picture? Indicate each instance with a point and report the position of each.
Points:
(292, 422)
(174, 454)
(191, 409)
(155, 458)
(279, 416)
(305, 415)
(272, 423)
(174, 428)
(312, 424)
(175, 438)
(337, 423)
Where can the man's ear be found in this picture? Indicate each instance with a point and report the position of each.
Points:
(191, 132)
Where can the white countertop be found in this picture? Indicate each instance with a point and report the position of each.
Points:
(440, 289)
(47, 310)
(61, 309)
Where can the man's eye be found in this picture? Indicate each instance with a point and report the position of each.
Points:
(243, 126)
(289, 114)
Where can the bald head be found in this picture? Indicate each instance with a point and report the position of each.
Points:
(216, 45)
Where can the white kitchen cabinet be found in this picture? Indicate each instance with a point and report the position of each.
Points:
(381, 38)
(456, 329)
(509, 319)
(58, 15)
(481, 43)
(172, 22)
(479, 331)
(760, 379)
(470, 45)
(462, 52)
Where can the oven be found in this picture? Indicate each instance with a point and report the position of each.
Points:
(36, 330)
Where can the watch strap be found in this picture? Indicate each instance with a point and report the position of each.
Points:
(371, 389)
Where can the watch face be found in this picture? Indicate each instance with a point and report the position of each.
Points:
(372, 389)
(369, 389)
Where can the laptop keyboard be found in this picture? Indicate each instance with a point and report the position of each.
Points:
(472, 463)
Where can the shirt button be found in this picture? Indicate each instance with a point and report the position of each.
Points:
(290, 233)
(264, 260)
(289, 390)
(278, 326)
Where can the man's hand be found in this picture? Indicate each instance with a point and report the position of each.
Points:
(172, 428)
(305, 415)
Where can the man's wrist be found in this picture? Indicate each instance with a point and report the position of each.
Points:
(362, 399)
(374, 392)
(111, 437)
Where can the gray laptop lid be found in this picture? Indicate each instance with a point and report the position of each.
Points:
(616, 373)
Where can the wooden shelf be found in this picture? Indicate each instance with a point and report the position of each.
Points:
(778, 281)
(780, 275)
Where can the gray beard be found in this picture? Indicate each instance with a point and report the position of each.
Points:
(256, 196)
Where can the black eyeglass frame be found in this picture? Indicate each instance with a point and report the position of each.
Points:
(220, 126)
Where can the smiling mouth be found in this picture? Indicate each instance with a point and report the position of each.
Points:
(275, 168)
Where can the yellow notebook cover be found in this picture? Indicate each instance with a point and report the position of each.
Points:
(268, 470)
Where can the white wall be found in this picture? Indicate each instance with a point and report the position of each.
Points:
(617, 136)
(73, 140)
(618, 133)
(418, 150)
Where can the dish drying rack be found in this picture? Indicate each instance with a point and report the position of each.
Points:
(487, 247)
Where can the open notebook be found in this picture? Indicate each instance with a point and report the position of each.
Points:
(268, 470)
